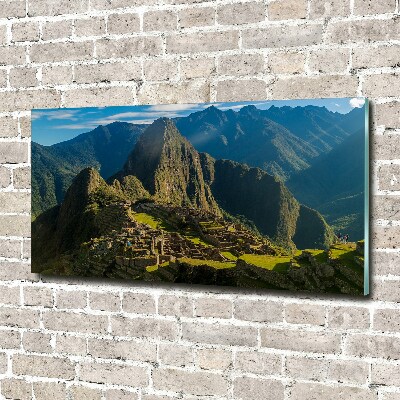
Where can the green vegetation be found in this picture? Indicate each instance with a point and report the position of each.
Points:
(153, 268)
(229, 255)
(210, 263)
(154, 222)
(272, 263)
(195, 238)
(345, 254)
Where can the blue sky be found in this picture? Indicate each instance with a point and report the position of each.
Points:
(57, 125)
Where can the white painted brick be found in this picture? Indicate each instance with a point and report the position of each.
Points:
(219, 334)
(213, 308)
(380, 346)
(46, 390)
(116, 4)
(305, 314)
(307, 368)
(114, 95)
(50, 367)
(83, 392)
(121, 394)
(348, 317)
(158, 69)
(159, 21)
(95, 26)
(214, 359)
(12, 8)
(241, 13)
(329, 8)
(282, 36)
(376, 56)
(3, 363)
(56, 52)
(258, 363)
(63, 321)
(37, 342)
(197, 67)
(175, 355)
(10, 295)
(8, 127)
(106, 301)
(23, 77)
(25, 128)
(144, 328)
(128, 47)
(351, 372)
(202, 42)
(179, 306)
(385, 374)
(297, 340)
(26, 100)
(258, 389)
(117, 374)
(25, 31)
(10, 248)
(56, 30)
(107, 72)
(191, 17)
(302, 391)
(119, 24)
(366, 7)
(16, 389)
(5, 177)
(66, 299)
(192, 383)
(56, 7)
(258, 311)
(70, 345)
(13, 153)
(362, 31)
(21, 177)
(123, 349)
(241, 65)
(138, 303)
(57, 75)
(286, 62)
(329, 61)
(284, 9)
(197, 91)
(315, 87)
(12, 55)
(15, 225)
(229, 90)
(38, 295)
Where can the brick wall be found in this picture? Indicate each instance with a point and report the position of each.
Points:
(80, 339)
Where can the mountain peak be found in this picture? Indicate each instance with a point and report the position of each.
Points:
(87, 181)
(250, 110)
(169, 167)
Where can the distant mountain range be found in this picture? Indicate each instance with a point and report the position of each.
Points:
(54, 167)
(308, 147)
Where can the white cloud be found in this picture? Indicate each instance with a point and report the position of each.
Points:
(357, 102)
(89, 125)
(55, 114)
(174, 107)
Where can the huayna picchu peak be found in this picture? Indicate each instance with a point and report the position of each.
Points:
(195, 199)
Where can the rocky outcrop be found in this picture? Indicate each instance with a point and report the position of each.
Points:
(169, 168)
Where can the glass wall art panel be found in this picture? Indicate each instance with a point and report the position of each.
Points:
(261, 195)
